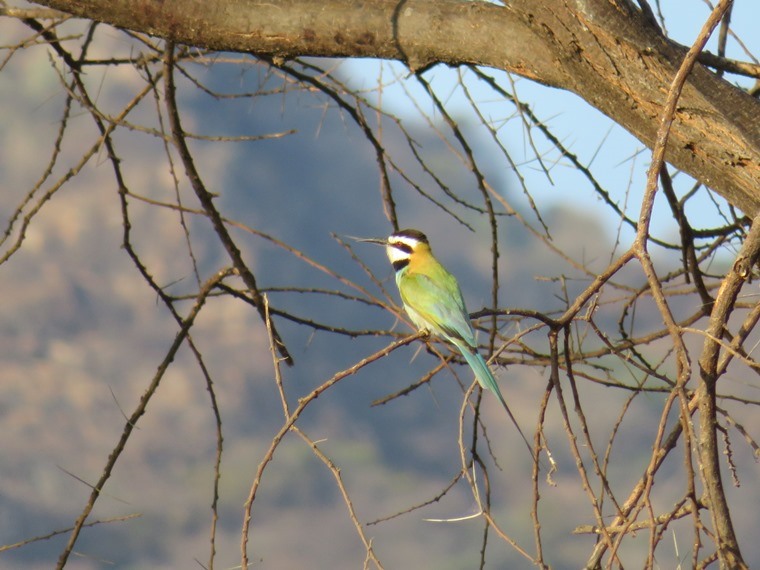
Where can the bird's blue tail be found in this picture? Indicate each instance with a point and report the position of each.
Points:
(486, 380)
(481, 370)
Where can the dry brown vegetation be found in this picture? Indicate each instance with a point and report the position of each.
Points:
(629, 344)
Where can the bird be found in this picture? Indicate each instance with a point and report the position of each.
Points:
(433, 300)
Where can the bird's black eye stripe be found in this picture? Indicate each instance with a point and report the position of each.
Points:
(399, 264)
(406, 248)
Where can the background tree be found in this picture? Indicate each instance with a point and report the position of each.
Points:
(625, 321)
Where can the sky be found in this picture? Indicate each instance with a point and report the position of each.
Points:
(615, 155)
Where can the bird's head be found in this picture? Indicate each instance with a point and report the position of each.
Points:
(402, 245)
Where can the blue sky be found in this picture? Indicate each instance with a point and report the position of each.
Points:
(618, 160)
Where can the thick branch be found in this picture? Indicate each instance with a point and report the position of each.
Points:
(728, 547)
(606, 51)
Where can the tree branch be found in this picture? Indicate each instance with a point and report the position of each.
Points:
(607, 52)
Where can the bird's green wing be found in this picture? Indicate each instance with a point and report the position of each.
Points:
(439, 301)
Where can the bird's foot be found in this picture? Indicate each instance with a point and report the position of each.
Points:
(424, 334)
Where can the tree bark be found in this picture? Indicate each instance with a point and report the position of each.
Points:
(606, 51)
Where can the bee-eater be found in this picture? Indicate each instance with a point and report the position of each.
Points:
(434, 302)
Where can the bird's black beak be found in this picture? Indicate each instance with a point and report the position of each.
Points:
(379, 241)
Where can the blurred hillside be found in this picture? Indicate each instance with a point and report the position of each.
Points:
(81, 335)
